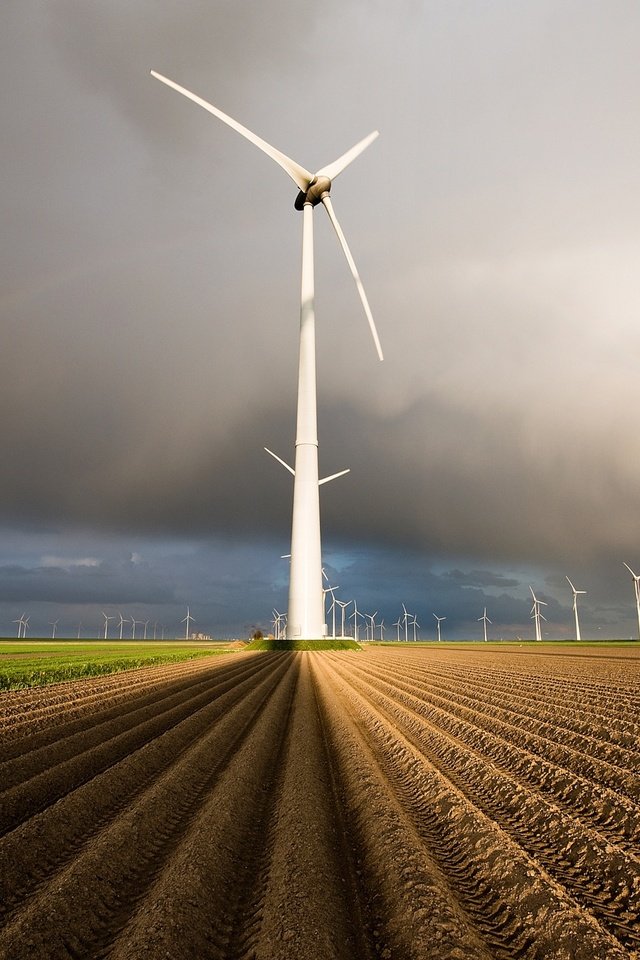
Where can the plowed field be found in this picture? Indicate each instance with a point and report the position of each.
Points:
(428, 803)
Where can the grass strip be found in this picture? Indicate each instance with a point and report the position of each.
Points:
(39, 671)
(327, 644)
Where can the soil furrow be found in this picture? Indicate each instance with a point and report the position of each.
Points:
(42, 708)
(71, 743)
(44, 843)
(612, 755)
(33, 795)
(484, 866)
(307, 854)
(603, 809)
(576, 857)
(91, 899)
(196, 903)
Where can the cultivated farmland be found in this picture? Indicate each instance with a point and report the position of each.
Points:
(428, 803)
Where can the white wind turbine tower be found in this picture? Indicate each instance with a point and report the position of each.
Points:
(636, 586)
(381, 625)
(536, 614)
(122, 622)
(372, 618)
(20, 623)
(306, 610)
(575, 607)
(396, 623)
(186, 620)
(25, 624)
(343, 604)
(438, 622)
(485, 621)
(415, 626)
(356, 613)
(106, 624)
(53, 624)
(405, 620)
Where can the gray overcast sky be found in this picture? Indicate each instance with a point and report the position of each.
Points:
(149, 307)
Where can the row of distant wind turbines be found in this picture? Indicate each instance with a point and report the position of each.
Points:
(408, 620)
(23, 624)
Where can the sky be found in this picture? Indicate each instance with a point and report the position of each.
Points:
(149, 307)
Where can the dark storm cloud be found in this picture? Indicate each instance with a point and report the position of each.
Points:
(480, 578)
(149, 282)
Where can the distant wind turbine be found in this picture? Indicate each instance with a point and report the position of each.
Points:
(343, 604)
(106, 623)
(396, 623)
(20, 622)
(372, 618)
(438, 622)
(536, 614)
(186, 620)
(122, 622)
(575, 607)
(54, 624)
(636, 586)
(405, 620)
(354, 616)
(485, 621)
(306, 610)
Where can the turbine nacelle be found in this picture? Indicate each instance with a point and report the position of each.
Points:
(318, 189)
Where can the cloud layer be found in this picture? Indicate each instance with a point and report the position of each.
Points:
(150, 266)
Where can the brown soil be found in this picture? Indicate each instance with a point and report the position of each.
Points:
(448, 804)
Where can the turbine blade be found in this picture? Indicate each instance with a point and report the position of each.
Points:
(301, 177)
(333, 169)
(334, 476)
(276, 457)
(354, 273)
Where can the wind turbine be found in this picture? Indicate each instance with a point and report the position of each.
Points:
(406, 621)
(122, 622)
(575, 607)
(356, 613)
(146, 624)
(20, 623)
(396, 623)
(536, 613)
(438, 622)
(381, 625)
(372, 618)
(415, 625)
(485, 621)
(25, 624)
(54, 624)
(636, 585)
(186, 620)
(332, 608)
(106, 623)
(343, 604)
(306, 609)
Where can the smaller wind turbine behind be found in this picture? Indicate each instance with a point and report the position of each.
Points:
(536, 614)
(438, 622)
(636, 586)
(575, 608)
(485, 621)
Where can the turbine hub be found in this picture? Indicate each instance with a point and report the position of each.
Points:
(318, 188)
